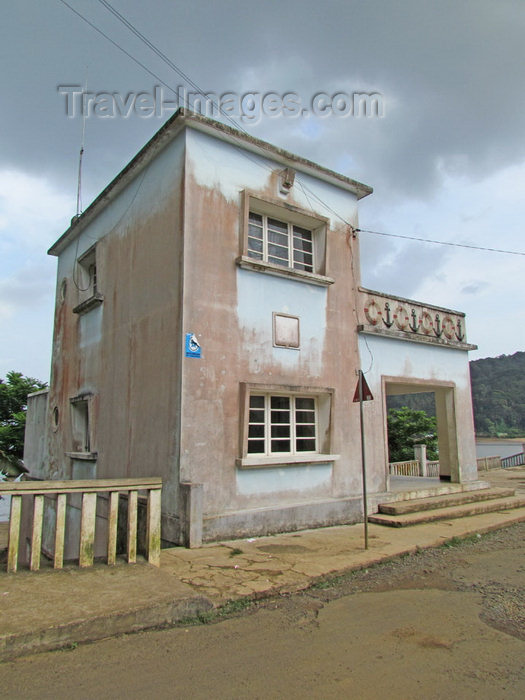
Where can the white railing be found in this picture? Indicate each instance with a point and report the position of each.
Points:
(412, 467)
(486, 463)
(408, 468)
(433, 468)
(88, 491)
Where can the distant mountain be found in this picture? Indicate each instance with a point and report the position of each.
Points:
(498, 396)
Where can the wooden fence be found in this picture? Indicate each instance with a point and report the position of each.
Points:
(88, 491)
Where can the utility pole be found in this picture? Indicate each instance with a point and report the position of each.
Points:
(363, 393)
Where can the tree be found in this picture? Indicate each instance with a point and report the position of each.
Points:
(13, 407)
(406, 428)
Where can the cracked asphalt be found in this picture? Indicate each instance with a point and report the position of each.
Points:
(440, 623)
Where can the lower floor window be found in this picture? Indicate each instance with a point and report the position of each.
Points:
(281, 424)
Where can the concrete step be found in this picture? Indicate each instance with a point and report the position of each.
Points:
(443, 501)
(448, 513)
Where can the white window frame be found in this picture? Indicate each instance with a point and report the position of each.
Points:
(266, 230)
(291, 216)
(323, 403)
(293, 437)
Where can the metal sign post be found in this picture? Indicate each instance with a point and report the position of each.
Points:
(363, 393)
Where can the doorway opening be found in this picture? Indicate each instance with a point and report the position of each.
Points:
(437, 401)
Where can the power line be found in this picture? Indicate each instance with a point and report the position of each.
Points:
(187, 79)
(118, 46)
(219, 109)
(448, 243)
(167, 61)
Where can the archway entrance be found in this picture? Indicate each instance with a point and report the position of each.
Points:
(436, 399)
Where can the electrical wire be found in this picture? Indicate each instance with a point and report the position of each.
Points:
(435, 242)
(304, 187)
(118, 46)
(168, 62)
(240, 147)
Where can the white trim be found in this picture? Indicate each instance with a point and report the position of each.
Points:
(292, 438)
(247, 263)
(260, 461)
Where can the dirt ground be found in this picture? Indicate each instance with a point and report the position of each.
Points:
(443, 623)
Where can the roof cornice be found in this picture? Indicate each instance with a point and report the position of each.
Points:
(186, 118)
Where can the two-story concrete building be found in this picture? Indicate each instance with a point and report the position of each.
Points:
(209, 325)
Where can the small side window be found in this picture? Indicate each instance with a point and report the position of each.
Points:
(80, 424)
(86, 282)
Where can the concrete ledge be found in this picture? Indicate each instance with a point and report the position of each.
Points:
(95, 628)
(259, 522)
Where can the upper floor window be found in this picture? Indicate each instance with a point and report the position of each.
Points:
(282, 240)
(86, 283)
(279, 242)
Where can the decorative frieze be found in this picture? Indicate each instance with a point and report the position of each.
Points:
(411, 320)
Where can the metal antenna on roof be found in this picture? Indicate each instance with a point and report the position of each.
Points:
(79, 183)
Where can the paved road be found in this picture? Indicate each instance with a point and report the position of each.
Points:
(446, 623)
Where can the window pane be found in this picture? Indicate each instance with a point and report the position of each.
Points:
(256, 431)
(305, 431)
(278, 261)
(278, 225)
(280, 431)
(280, 417)
(305, 445)
(255, 231)
(256, 416)
(256, 401)
(255, 218)
(303, 402)
(277, 251)
(280, 445)
(303, 258)
(255, 446)
(280, 402)
(303, 233)
(304, 417)
(279, 238)
(255, 244)
(302, 244)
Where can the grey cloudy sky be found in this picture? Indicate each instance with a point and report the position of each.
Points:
(447, 159)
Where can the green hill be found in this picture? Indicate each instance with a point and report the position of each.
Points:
(498, 396)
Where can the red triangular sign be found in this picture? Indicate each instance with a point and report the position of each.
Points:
(367, 394)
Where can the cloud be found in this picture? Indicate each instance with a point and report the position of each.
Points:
(32, 212)
(446, 161)
(27, 288)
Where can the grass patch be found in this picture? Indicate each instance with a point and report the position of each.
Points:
(458, 541)
(235, 552)
(229, 609)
